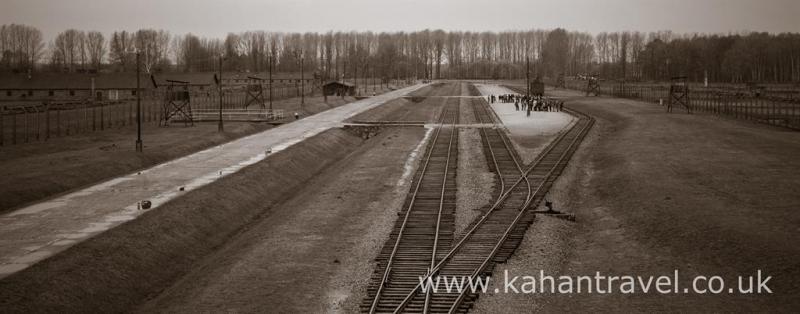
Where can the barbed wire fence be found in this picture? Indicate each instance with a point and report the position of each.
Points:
(778, 106)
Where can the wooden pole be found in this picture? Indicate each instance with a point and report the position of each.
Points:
(2, 125)
(25, 125)
(14, 129)
(270, 83)
(139, 145)
(220, 127)
(102, 117)
(47, 121)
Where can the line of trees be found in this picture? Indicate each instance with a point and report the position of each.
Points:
(737, 58)
(20, 46)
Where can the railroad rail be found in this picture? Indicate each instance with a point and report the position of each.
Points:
(494, 236)
(504, 162)
(426, 230)
(490, 239)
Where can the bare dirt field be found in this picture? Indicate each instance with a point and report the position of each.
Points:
(314, 252)
(655, 192)
(38, 170)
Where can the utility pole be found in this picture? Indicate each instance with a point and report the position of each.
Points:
(271, 58)
(528, 76)
(220, 128)
(302, 80)
(139, 145)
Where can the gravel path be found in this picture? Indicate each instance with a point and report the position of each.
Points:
(475, 182)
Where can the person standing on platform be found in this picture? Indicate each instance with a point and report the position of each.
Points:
(529, 110)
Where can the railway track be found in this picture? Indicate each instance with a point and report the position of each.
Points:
(489, 240)
(425, 232)
(497, 234)
(494, 237)
(504, 160)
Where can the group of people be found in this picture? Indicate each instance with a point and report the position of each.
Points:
(529, 103)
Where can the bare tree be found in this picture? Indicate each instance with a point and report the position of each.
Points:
(96, 48)
(70, 45)
(20, 46)
(119, 49)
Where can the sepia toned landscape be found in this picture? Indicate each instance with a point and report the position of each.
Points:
(399, 157)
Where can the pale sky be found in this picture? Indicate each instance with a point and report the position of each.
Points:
(215, 18)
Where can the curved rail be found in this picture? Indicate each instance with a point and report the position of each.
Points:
(564, 155)
(587, 123)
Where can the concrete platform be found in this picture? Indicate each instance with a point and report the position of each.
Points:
(33, 233)
(538, 124)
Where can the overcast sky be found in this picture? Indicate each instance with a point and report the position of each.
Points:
(215, 18)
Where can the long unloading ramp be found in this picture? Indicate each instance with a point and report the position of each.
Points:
(38, 231)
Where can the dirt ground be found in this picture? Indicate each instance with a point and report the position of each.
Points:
(655, 192)
(314, 253)
(475, 181)
(38, 170)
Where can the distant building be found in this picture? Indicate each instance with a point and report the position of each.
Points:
(82, 86)
(68, 86)
(337, 88)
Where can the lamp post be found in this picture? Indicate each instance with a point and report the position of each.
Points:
(271, 59)
(302, 80)
(528, 76)
(220, 127)
(139, 146)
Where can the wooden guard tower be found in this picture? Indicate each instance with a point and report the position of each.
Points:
(593, 85)
(561, 82)
(254, 92)
(679, 94)
(177, 103)
(537, 88)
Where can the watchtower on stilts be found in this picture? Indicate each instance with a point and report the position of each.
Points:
(679, 94)
(254, 92)
(593, 85)
(177, 103)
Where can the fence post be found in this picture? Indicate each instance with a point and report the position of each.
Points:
(46, 121)
(85, 116)
(102, 118)
(14, 128)
(772, 110)
(38, 124)
(66, 123)
(25, 125)
(2, 124)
